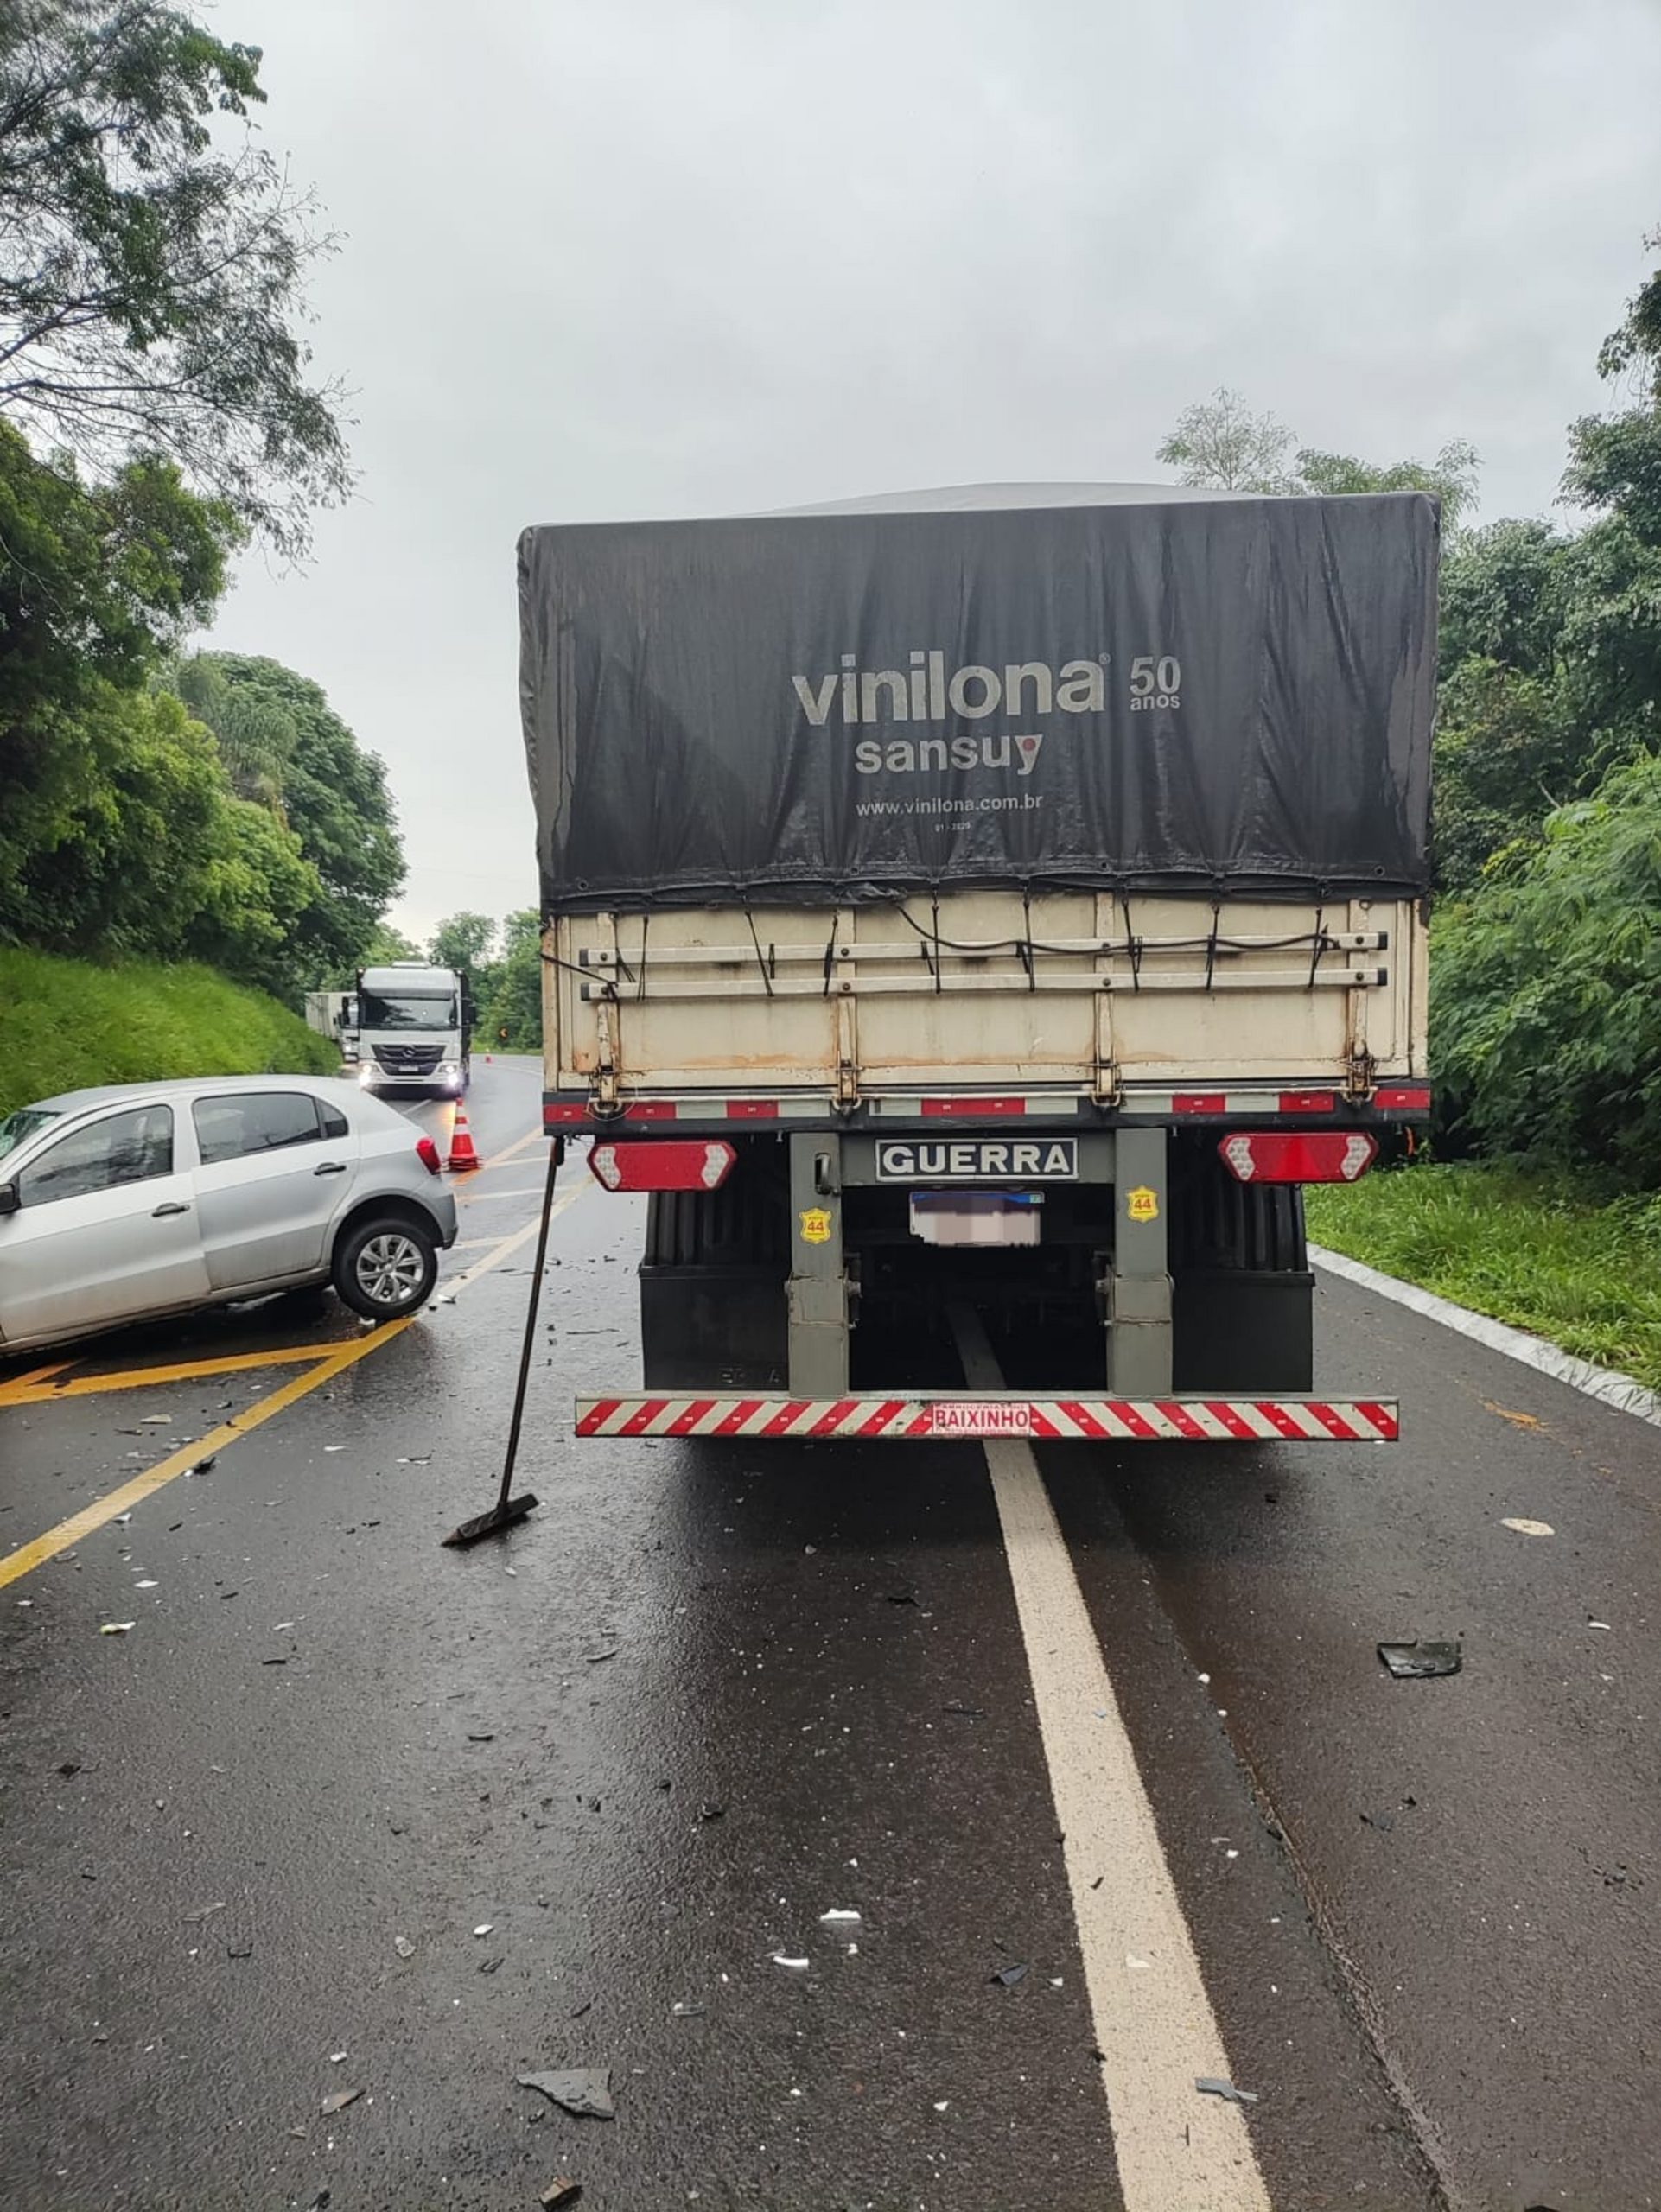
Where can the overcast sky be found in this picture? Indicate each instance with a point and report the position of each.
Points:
(636, 257)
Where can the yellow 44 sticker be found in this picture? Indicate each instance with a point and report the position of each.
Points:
(816, 1225)
(1141, 1204)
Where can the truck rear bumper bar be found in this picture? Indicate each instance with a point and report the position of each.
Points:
(937, 1415)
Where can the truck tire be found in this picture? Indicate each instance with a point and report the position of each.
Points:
(713, 1311)
(385, 1267)
(1243, 1294)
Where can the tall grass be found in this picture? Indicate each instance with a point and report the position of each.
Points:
(65, 1024)
(1548, 1251)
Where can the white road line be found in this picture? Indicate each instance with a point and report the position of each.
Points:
(1177, 2150)
(1607, 1384)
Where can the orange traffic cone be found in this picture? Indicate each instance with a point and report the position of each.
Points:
(462, 1154)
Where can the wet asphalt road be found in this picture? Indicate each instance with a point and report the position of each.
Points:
(706, 1694)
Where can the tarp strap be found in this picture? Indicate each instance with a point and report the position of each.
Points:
(1025, 948)
(1132, 943)
(1210, 942)
(765, 964)
(830, 962)
(1319, 943)
(934, 925)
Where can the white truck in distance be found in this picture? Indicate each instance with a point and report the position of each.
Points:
(415, 1029)
(992, 900)
(334, 1014)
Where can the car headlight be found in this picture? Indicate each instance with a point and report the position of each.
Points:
(366, 1074)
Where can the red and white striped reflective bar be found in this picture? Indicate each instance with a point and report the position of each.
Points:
(1117, 1420)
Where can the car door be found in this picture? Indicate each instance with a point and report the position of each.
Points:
(274, 1166)
(105, 1230)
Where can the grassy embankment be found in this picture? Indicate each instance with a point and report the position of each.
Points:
(1540, 1251)
(65, 1024)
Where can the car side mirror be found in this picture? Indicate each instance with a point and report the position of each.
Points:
(9, 1200)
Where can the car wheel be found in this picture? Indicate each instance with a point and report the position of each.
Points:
(385, 1268)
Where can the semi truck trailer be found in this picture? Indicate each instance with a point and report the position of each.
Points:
(1002, 900)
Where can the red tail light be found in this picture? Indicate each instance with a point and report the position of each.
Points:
(1298, 1155)
(427, 1151)
(675, 1164)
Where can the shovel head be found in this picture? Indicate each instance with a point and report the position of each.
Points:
(508, 1515)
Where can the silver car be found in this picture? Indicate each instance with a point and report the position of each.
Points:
(139, 1201)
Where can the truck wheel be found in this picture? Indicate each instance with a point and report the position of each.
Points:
(385, 1268)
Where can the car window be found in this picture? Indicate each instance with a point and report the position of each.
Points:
(244, 1127)
(335, 1122)
(27, 1121)
(130, 1147)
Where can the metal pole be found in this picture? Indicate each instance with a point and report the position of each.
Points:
(506, 1512)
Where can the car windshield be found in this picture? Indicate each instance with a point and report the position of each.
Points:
(18, 1127)
(408, 1010)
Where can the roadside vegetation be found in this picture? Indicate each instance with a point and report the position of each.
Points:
(1543, 1206)
(68, 1024)
(1533, 1249)
(159, 414)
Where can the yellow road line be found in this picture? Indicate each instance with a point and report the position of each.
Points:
(28, 1382)
(102, 1510)
(140, 1378)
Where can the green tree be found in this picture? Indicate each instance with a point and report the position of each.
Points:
(290, 751)
(152, 259)
(512, 1019)
(96, 583)
(1545, 995)
(1220, 442)
(1453, 476)
(463, 940)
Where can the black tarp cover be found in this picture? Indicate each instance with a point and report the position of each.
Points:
(1121, 688)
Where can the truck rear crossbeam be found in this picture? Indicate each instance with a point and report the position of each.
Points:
(935, 1415)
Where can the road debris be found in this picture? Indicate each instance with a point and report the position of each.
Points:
(339, 2100)
(118, 1628)
(1009, 1977)
(1383, 1822)
(338, 2057)
(484, 1928)
(1410, 1661)
(599, 1658)
(1604, 1626)
(147, 1586)
(583, 2091)
(965, 1711)
(904, 1594)
(483, 1736)
(561, 2190)
(838, 1913)
(403, 1947)
(205, 1911)
(1530, 1528)
(1209, 2086)
(202, 1467)
(795, 1966)
(687, 2012)
(712, 1812)
(489, 1966)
